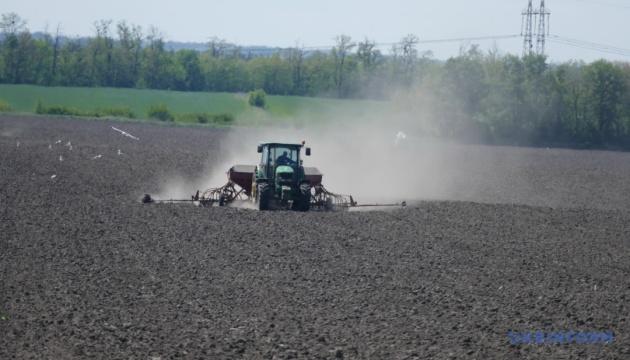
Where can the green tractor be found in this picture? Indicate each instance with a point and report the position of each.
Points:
(280, 179)
(278, 182)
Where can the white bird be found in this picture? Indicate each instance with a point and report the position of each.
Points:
(119, 152)
(54, 176)
(60, 158)
(97, 157)
(49, 147)
(125, 133)
(58, 142)
(400, 137)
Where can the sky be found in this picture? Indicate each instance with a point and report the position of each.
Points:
(316, 23)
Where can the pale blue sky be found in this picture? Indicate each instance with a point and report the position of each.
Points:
(315, 23)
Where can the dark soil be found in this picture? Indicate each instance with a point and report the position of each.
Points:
(87, 271)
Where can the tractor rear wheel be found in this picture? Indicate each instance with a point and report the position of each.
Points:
(304, 201)
(263, 196)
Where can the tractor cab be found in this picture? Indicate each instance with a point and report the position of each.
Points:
(280, 163)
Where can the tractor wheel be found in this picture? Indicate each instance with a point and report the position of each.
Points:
(263, 196)
(304, 201)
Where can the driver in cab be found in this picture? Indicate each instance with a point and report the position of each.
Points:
(284, 159)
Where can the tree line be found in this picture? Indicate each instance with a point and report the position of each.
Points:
(497, 97)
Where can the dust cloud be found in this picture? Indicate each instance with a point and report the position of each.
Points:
(387, 152)
(373, 157)
(370, 161)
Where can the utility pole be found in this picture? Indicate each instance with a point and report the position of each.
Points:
(527, 29)
(543, 28)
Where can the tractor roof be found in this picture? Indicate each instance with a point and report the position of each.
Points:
(281, 144)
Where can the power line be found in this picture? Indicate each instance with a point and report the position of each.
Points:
(535, 25)
(590, 48)
(497, 37)
(606, 3)
(610, 49)
(428, 41)
(590, 45)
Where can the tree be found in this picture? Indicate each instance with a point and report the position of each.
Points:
(368, 55)
(217, 46)
(193, 78)
(39, 71)
(464, 78)
(101, 54)
(409, 52)
(320, 75)
(296, 62)
(55, 56)
(626, 101)
(606, 86)
(340, 53)
(405, 57)
(258, 98)
(507, 98)
(371, 79)
(16, 46)
(537, 92)
(74, 65)
(127, 55)
(154, 67)
(12, 24)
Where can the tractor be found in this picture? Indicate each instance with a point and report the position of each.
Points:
(278, 182)
(280, 179)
